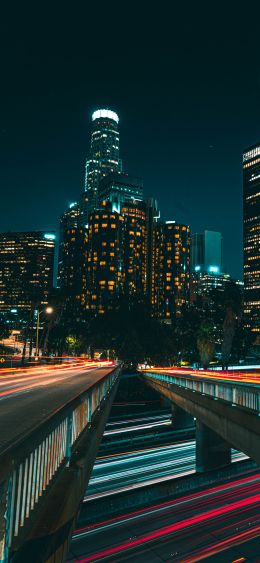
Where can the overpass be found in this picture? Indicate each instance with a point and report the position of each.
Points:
(226, 407)
(52, 419)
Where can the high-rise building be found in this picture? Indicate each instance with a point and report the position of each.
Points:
(103, 158)
(71, 272)
(170, 269)
(103, 277)
(202, 284)
(26, 270)
(135, 250)
(119, 188)
(206, 252)
(251, 206)
(70, 219)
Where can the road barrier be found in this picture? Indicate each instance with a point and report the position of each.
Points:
(30, 467)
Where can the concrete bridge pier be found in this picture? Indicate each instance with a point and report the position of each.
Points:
(212, 452)
(181, 419)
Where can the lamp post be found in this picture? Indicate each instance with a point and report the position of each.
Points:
(48, 310)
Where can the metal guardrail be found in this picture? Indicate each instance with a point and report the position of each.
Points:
(27, 470)
(236, 393)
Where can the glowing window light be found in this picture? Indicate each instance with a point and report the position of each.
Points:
(49, 236)
(106, 113)
(214, 269)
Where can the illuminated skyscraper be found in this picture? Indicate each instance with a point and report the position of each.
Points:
(206, 252)
(170, 269)
(103, 270)
(135, 250)
(103, 156)
(26, 270)
(251, 200)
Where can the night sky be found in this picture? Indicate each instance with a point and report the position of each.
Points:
(186, 86)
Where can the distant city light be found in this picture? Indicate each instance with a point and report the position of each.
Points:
(48, 310)
(197, 268)
(13, 310)
(214, 269)
(107, 113)
(49, 236)
(72, 204)
(170, 222)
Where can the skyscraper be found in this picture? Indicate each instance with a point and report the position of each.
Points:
(251, 207)
(70, 219)
(206, 252)
(103, 156)
(103, 269)
(26, 270)
(170, 269)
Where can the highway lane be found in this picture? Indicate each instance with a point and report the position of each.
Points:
(28, 397)
(247, 376)
(195, 527)
(116, 473)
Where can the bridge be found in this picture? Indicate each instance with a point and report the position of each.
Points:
(226, 407)
(52, 419)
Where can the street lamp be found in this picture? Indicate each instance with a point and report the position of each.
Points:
(48, 310)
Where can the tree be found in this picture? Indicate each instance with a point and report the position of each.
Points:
(206, 342)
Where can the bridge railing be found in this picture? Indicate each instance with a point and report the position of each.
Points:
(30, 467)
(236, 393)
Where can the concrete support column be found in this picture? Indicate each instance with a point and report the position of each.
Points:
(164, 402)
(181, 418)
(212, 452)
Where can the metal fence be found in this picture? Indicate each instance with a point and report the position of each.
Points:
(27, 471)
(236, 393)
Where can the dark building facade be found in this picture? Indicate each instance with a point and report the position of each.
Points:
(26, 270)
(202, 284)
(251, 212)
(71, 272)
(170, 269)
(70, 219)
(119, 188)
(103, 158)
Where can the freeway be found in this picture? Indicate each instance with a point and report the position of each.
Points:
(247, 377)
(205, 525)
(114, 474)
(30, 396)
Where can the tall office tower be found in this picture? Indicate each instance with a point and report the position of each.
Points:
(71, 272)
(119, 188)
(104, 268)
(135, 250)
(70, 219)
(103, 157)
(251, 205)
(206, 252)
(26, 270)
(171, 269)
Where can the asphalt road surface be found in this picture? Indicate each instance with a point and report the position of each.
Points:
(28, 397)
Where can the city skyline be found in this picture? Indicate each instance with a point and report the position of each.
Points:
(176, 212)
(187, 99)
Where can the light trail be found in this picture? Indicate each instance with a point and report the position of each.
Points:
(117, 473)
(226, 516)
(17, 380)
(137, 428)
(239, 377)
(246, 483)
